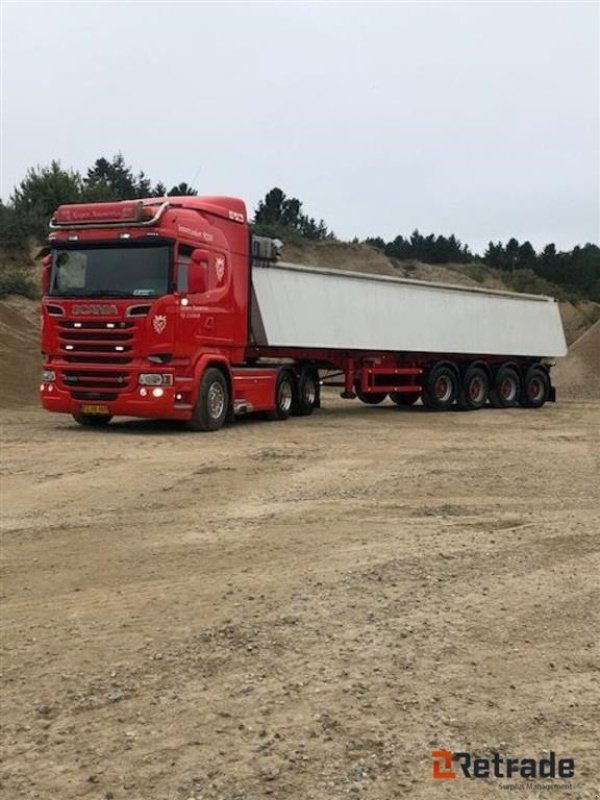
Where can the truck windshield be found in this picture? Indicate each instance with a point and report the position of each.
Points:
(110, 272)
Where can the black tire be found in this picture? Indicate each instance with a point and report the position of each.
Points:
(506, 388)
(92, 420)
(404, 398)
(306, 398)
(371, 398)
(440, 388)
(212, 404)
(285, 391)
(535, 390)
(474, 389)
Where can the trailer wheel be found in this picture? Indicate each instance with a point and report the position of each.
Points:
(285, 391)
(404, 398)
(440, 388)
(92, 420)
(212, 404)
(474, 390)
(536, 388)
(371, 398)
(506, 389)
(307, 395)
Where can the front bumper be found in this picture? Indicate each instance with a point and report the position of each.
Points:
(131, 403)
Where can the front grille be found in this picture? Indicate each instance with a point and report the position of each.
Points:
(94, 395)
(97, 359)
(96, 341)
(97, 355)
(84, 378)
(87, 384)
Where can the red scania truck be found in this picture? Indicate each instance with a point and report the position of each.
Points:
(170, 309)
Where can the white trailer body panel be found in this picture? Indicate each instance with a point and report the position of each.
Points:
(296, 306)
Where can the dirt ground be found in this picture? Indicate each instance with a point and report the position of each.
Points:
(299, 610)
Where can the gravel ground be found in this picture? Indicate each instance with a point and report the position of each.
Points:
(299, 610)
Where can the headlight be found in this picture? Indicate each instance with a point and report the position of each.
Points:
(155, 379)
(48, 375)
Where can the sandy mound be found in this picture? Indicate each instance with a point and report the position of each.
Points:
(19, 351)
(577, 377)
(340, 255)
(578, 318)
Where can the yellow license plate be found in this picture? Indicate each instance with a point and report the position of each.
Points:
(94, 409)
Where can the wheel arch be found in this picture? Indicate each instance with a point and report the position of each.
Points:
(512, 364)
(444, 362)
(218, 362)
(480, 364)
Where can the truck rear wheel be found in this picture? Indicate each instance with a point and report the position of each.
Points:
(285, 391)
(212, 404)
(404, 398)
(506, 389)
(536, 388)
(440, 388)
(92, 420)
(371, 398)
(474, 390)
(307, 395)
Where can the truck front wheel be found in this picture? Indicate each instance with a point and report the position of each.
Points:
(92, 420)
(212, 404)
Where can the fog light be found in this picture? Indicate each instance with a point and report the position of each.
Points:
(158, 392)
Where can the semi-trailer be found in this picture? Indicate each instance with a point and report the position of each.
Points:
(171, 309)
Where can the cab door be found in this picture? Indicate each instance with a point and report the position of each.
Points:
(206, 315)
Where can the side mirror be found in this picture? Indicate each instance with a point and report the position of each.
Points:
(197, 278)
(197, 271)
(46, 273)
(200, 256)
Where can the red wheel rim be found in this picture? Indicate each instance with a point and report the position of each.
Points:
(476, 390)
(508, 389)
(536, 389)
(443, 388)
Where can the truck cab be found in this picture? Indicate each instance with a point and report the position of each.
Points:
(140, 298)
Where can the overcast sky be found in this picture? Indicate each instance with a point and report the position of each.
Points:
(479, 119)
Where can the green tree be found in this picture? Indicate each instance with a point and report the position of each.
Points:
(511, 253)
(114, 180)
(278, 213)
(182, 189)
(527, 258)
(160, 190)
(40, 193)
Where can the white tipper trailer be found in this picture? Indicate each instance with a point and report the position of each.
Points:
(407, 338)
